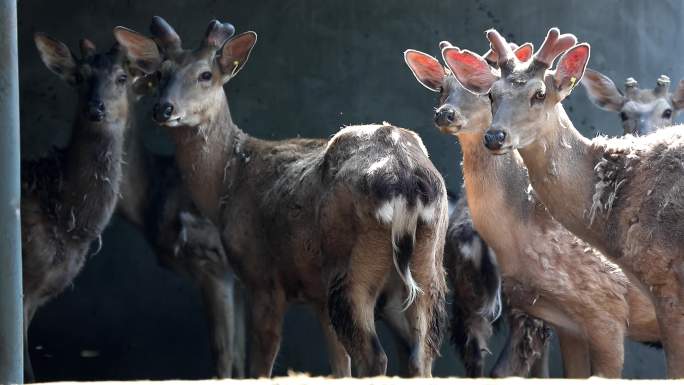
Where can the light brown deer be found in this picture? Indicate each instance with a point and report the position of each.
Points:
(335, 224)
(154, 199)
(622, 195)
(642, 111)
(68, 196)
(547, 271)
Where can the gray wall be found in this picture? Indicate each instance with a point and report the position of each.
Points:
(317, 66)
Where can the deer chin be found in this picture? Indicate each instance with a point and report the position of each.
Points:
(174, 121)
(502, 151)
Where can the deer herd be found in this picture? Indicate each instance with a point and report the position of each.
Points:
(553, 230)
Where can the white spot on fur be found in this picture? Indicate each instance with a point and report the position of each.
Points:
(378, 164)
(472, 251)
(385, 213)
(427, 213)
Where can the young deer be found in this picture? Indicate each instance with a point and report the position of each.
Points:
(547, 272)
(642, 111)
(69, 196)
(335, 224)
(622, 195)
(154, 199)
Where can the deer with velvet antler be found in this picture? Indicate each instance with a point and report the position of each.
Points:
(624, 196)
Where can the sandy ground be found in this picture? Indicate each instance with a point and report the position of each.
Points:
(305, 380)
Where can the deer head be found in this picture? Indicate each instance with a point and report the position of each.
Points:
(190, 81)
(523, 92)
(642, 111)
(458, 109)
(104, 81)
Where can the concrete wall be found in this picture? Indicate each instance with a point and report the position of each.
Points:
(317, 66)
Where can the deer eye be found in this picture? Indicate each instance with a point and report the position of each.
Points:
(539, 95)
(205, 76)
(623, 116)
(667, 114)
(122, 79)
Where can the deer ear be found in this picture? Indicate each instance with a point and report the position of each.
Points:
(235, 53)
(524, 52)
(678, 96)
(141, 51)
(427, 70)
(602, 91)
(471, 70)
(571, 68)
(56, 56)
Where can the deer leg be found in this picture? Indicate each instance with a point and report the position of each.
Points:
(670, 313)
(527, 349)
(340, 362)
(606, 348)
(218, 295)
(396, 321)
(240, 334)
(351, 310)
(29, 375)
(268, 310)
(575, 353)
(540, 367)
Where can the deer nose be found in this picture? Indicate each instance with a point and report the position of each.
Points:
(96, 110)
(494, 139)
(163, 111)
(445, 116)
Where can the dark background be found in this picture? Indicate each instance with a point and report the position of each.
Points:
(317, 66)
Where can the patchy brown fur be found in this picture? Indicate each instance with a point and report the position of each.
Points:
(526, 352)
(308, 220)
(548, 272)
(620, 195)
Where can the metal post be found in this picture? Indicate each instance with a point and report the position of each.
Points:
(11, 309)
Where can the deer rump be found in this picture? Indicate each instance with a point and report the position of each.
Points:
(375, 175)
(390, 178)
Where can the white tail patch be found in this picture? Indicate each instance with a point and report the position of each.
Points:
(403, 221)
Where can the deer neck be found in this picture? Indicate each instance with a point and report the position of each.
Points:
(92, 175)
(205, 155)
(561, 170)
(496, 191)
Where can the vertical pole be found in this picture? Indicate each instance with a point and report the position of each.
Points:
(11, 309)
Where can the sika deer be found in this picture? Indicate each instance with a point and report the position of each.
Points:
(642, 111)
(547, 271)
(323, 222)
(68, 196)
(622, 195)
(154, 200)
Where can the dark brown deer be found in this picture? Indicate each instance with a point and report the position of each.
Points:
(642, 111)
(68, 196)
(335, 224)
(154, 199)
(622, 195)
(547, 271)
